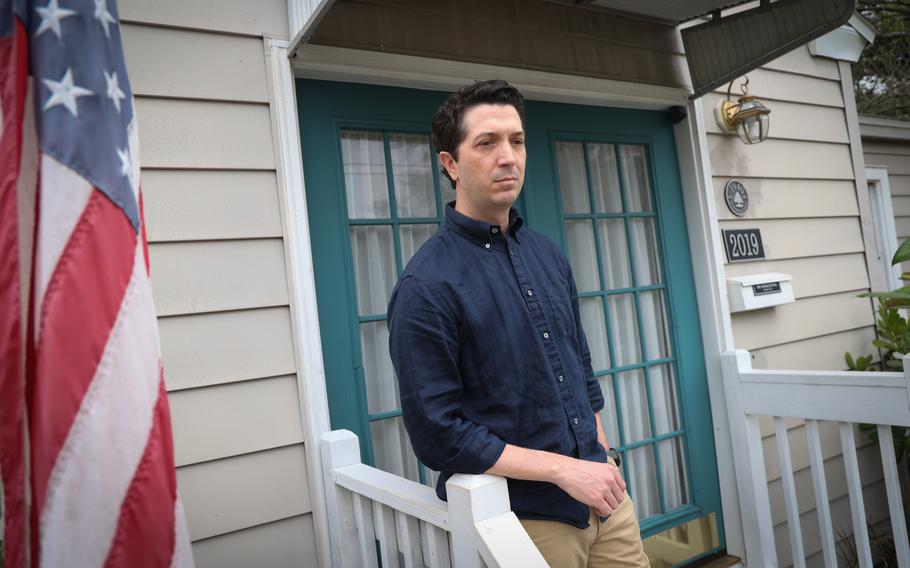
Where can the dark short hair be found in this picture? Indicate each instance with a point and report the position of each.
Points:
(448, 122)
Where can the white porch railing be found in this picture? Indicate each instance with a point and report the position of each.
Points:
(845, 398)
(414, 528)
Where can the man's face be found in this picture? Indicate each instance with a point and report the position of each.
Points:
(490, 169)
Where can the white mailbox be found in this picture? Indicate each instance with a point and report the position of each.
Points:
(756, 291)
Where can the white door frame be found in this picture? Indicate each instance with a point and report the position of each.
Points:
(357, 66)
(883, 224)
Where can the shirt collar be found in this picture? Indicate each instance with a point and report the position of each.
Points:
(480, 232)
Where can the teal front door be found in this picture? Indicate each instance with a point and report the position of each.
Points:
(604, 184)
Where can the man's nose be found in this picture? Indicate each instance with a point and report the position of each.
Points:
(507, 154)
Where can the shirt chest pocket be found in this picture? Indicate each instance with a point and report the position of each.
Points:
(561, 313)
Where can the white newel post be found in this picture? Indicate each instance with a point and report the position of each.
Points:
(749, 463)
(473, 498)
(484, 529)
(340, 448)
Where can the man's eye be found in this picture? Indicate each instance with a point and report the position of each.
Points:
(518, 142)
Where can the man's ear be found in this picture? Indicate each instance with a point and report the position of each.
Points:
(449, 163)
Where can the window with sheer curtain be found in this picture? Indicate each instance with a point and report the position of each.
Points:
(611, 229)
(395, 198)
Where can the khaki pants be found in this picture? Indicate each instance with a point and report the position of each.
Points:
(615, 542)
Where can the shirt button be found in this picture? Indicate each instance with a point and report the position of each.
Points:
(575, 421)
(494, 230)
(546, 335)
(530, 293)
(487, 245)
(560, 378)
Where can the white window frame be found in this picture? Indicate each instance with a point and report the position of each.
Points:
(883, 224)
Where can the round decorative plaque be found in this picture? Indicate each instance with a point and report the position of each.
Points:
(737, 197)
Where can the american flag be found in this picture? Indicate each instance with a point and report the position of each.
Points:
(86, 451)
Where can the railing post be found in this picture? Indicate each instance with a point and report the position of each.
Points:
(473, 498)
(340, 448)
(749, 464)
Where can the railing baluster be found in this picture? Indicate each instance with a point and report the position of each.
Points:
(366, 535)
(820, 485)
(408, 531)
(384, 521)
(895, 503)
(435, 544)
(790, 503)
(855, 489)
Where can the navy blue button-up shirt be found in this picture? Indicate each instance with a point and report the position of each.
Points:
(487, 344)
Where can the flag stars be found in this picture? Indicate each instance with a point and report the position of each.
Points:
(105, 17)
(65, 92)
(126, 165)
(50, 18)
(113, 89)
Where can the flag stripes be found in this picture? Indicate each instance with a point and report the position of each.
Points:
(86, 447)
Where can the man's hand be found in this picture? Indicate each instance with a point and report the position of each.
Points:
(598, 485)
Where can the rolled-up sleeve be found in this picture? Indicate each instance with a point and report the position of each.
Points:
(423, 344)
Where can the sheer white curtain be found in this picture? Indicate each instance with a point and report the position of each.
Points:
(373, 255)
(628, 326)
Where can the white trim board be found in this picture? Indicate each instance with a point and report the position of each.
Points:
(338, 64)
(884, 128)
(859, 173)
(883, 223)
(311, 390)
(708, 272)
(390, 69)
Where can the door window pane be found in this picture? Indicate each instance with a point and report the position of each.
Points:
(592, 321)
(624, 321)
(673, 473)
(614, 252)
(644, 247)
(582, 255)
(654, 324)
(609, 415)
(604, 178)
(365, 182)
(633, 397)
(392, 449)
(412, 237)
(373, 252)
(573, 183)
(641, 475)
(379, 375)
(635, 174)
(665, 399)
(412, 174)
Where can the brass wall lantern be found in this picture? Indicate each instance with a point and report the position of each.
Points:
(747, 116)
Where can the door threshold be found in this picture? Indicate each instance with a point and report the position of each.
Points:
(725, 561)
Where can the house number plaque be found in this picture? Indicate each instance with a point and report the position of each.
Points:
(743, 244)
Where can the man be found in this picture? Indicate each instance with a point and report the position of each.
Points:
(493, 366)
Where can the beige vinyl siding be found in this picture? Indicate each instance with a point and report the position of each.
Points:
(217, 256)
(803, 198)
